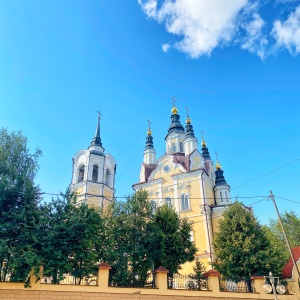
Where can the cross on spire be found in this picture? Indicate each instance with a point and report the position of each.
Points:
(187, 111)
(99, 114)
(173, 101)
(149, 123)
(217, 158)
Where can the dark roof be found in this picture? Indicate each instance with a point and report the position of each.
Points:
(148, 170)
(287, 271)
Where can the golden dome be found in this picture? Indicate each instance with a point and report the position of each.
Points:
(203, 143)
(149, 132)
(174, 110)
(188, 121)
(218, 166)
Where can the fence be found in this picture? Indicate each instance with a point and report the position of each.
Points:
(69, 279)
(186, 282)
(182, 288)
(239, 287)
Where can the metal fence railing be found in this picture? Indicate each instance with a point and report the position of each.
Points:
(186, 282)
(69, 279)
(239, 287)
(150, 283)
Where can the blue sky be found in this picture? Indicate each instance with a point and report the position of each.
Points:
(236, 67)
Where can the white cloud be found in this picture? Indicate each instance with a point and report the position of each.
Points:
(287, 33)
(165, 47)
(254, 39)
(202, 24)
(149, 7)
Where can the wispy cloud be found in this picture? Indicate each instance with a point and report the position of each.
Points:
(201, 26)
(287, 33)
(165, 47)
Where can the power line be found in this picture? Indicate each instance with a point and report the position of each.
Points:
(287, 199)
(267, 173)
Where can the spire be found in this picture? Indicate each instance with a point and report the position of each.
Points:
(97, 140)
(149, 138)
(149, 152)
(220, 179)
(175, 125)
(189, 131)
(204, 149)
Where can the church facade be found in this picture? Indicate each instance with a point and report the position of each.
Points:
(186, 179)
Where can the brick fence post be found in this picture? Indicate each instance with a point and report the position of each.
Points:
(161, 278)
(258, 282)
(103, 274)
(34, 280)
(213, 282)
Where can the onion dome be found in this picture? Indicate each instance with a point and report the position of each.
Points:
(189, 131)
(175, 125)
(204, 149)
(149, 138)
(174, 110)
(220, 179)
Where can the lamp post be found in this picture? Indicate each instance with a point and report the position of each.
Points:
(268, 288)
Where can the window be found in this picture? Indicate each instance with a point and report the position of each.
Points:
(153, 207)
(221, 197)
(95, 173)
(226, 196)
(191, 236)
(80, 173)
(108, 177)
(181, 147)
(173, 147)
(184, 202)
(168, 202)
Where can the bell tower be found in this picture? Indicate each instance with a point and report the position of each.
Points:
(93, 177)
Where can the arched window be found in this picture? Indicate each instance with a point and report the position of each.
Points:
(181, 146)
(168, 202)
(153, 207)
(184, 202)
(226, 196)
(173, 147)
(108, 177)
(80, 173)
(221, 197)
(95, 173)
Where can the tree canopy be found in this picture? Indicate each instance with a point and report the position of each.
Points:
(138, 240)
(291, 224)
(19, 206)
(241, 247)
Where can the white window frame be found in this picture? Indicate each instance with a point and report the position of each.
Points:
(184, 202)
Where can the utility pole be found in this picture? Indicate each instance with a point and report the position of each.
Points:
(285, 236)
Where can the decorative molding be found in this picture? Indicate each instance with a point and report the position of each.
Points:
(140, 186)
(189, 174)
(168, 190)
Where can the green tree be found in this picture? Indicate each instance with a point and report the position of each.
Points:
(177, 247)
(19, 206)
(291, 223)
(72, 238)
(131, 240)
(242, 247)
(199, 269)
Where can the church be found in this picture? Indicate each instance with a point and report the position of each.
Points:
(184, 178)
